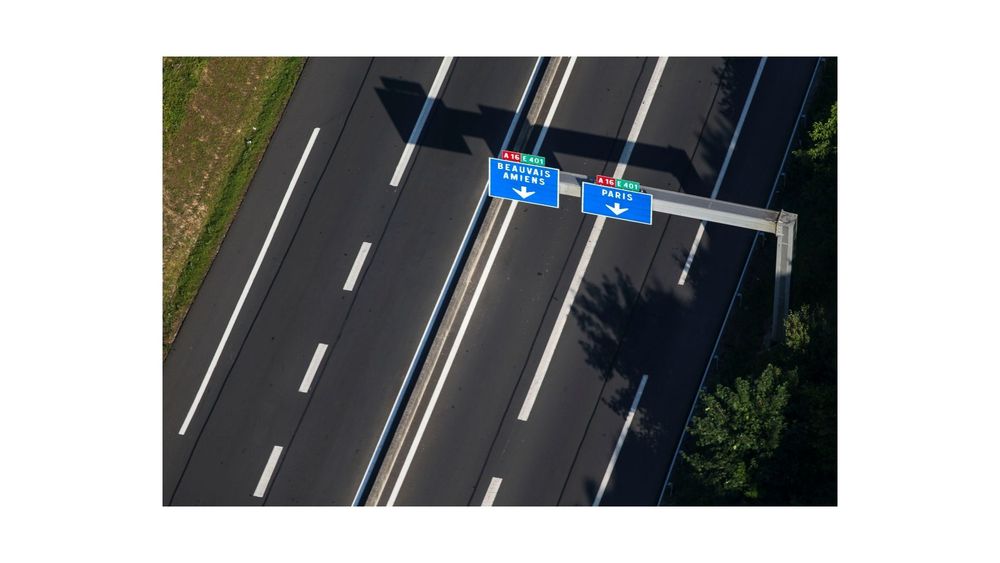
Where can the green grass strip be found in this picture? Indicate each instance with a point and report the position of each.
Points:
(225, 207)
(180, 76)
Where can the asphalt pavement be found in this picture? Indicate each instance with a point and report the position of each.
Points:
(630, 317)
(295, 407)
(343, 198)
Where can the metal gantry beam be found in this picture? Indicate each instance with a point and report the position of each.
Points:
(782, 224)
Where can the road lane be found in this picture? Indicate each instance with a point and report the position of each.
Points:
(593, 238)
(491, 215)
(627, 321)
(326, 460)
(249, 283)
(621, 441)
(259, 405)
(450, 458)
(644, 323)
(694, 113)
(683, 354)
(323, 97)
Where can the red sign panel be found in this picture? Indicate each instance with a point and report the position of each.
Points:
(605, 181)
(511, 155)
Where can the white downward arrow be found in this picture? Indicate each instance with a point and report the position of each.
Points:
(524, 193)
(617, 209)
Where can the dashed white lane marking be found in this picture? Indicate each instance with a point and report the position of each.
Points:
(359, 261)
(472, 303)
(725, 166)
(621, 440)
(265, 476)
(313, 366)
(440, 301)
(421, 119)
(246, 287)
(739, 284)
(491, 491)
(588, 250)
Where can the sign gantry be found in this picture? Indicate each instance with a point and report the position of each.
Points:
(525, 178)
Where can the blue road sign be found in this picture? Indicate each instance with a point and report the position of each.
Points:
(527, 183)
(626, 205)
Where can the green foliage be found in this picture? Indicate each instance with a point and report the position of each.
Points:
(810, 341)
(797, 330)
(812, 193)
(824, 138)
(180, 76)
(739, 429)
(773, 440)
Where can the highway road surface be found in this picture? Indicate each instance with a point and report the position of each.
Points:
(578, 344)
(354, 268)
(537, 400)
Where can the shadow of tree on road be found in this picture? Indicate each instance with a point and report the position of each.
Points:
(650, 327)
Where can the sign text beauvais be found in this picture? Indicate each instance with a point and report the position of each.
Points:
(525, 178)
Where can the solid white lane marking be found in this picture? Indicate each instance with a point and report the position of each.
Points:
(440, 301)
(621, 440)
(567, 304)
(421, 119)
(725, 166)
(451, 355)
(472, 303)
(588, 250)
(265, 476)
(359, 261)
(313, 366)
(555, 104)
(491, 491)
(246, 287)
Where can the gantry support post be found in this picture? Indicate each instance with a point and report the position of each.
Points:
(787, 223)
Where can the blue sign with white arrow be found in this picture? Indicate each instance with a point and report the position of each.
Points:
(626, 205)
(527, 183)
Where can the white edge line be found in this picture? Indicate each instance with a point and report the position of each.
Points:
(647, 101)
(246, 287)
(265, 476)
(359, 261)
(421, 119)
(739, 284)
(588, 250)
(440, 301)
(491, 491)
(739, 127)
(621, 441)
(564, 310)
(555, 104)
(472, 307)
(451, 355)
(725, 166)
(313, 367)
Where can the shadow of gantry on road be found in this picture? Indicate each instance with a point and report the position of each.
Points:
(404, 99)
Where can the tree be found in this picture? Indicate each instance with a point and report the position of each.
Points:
(824, 138)
(739, 429)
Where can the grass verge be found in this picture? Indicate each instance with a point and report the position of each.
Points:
(180, 76)
(218, 116)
